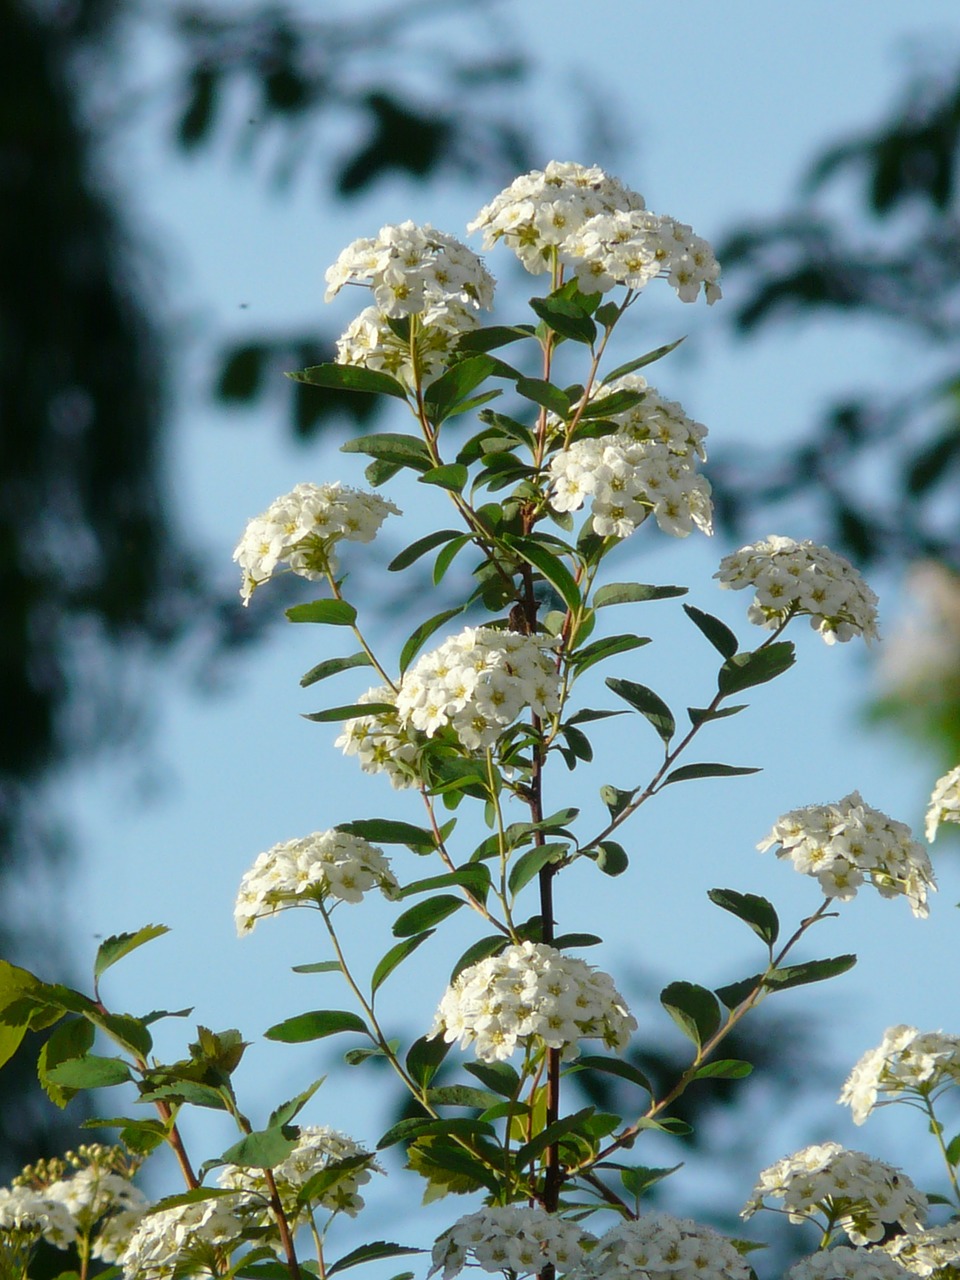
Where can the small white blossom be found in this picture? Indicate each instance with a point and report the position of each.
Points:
(517, 1239)
(380, 742)
(862, 1195)
(659, 1246)
(845, 1263)
(29, 1214)
(326, 864)
(184, 1240)
(925, 1252)
(944, 803)
(532, 991)
(801, 578)
(300, 529)
(646, 467)
(318, 1148)
(843, 844)
(93, 1192)
(906, 1061)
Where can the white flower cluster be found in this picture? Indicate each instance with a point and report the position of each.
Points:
(415, 272)
(581, 217)
(300, 529)
(318, 1148)
(532, 991)
(802, 578)
(944, 803)
(647, 466)
(862, 1195)
(514, 1239)
(30, 1213)
(184, 1240)
(478, 682)
(846, 843)
(845, 1263)
(380, 742)
(927, 1252)
(659, 1246)
(905, 1061)
(326, 864)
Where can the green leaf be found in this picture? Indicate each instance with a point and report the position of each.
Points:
(734, 993)
(426, 914)
(332, 667)
(426, 629)
(615, 799)
(325, 1178)
(498, 1076)
(605, 648)
(89, 1072)
(493, 336)
(724, 1069)
(530, 863)
(687, 772)
(334, 613)
(406, 1130)
(351, 712)
(315, 1026)
(395, 956)
(371, 1253)
(717, 632)
(552, 568)
(452, 476)
(198, 1095)
(411, 554)
(578, 744)
(798, 975)
(615, 402)
(474, 876)
(73, 1038)
(349, 377)
(548, 1136)
(447, 556)
(953, 1150)
(611, 858)
(288, 1111)
(461, 1095)
(639, 1178)
(262, 1149)
(745, 670)
(457, 382)
(545, 394)
(480, 950)
(566, 318)
(15, 983)
(633, 593)
(424, 1058)
(612, 1067)
(129, 1032)
(700, 715)
(321, 966)
(641, 361)
(693, 1008)
(394, 449)
(390, 831)
(647, 703)
(757, 912)
(121, 944)
(565, 940)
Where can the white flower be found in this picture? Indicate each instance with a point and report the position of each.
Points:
(30, 1213)
(845, 1263)
(184, 1240)
(944, 803)
(804, 579)
(845, 843)
(646, 467)
(862, 1195)
(512, 1238)
(532, 991)
(92, 1192)
(318, 1148)
(659, 1246)
(326, 864)
(906, 1061)
(926, 1252)
(115, 1234)
(300, 529)
(380, 742)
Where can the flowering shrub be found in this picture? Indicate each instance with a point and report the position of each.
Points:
(473, 718)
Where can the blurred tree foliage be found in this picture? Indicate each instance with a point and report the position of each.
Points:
(92, 567)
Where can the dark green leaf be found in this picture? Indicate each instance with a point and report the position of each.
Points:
(724, 1069)
(425, 1056)
(612, 858)
(548, 1136)
(745, 670)
(89, 1072)
(129, 1032)
(452, 476)
(198, 1095)
(615, 799)
(328, 1176)
(480, 950)
(953, 1150)
(578, 743)
(498, 1076)
(262, 1149)
(370, 1253)
(411, 554)
(426, 914)
(473, 876)
(406, 1130)
(544, 393)
(335, 613)
(734, 993)
(423, 633)
(566, 318)
(798, 975)
(552, 568)
(605, 648)
(495, 335)
(641, 361)
(395, 956)
(349, 377)
(392, 448)
(390, 831)
(321, 966)
(121, 944)
(647, 703)
(633, 593)
(637, 1179)
(693, 1008)
(700, 715)
(457, 382)
(288, 1111)
(461, 1095)
(447, 556)
(717, 632)
(332, 667)
(612, 1067)
(351, 712)
(757, 912)
(565, 940)
(614, 402)
(315, 1026)
(73, 1038)
(529, 864)
(687, 772)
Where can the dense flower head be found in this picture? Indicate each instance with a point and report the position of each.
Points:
(91, 1193)
(846, 843)
(369, 342)
(646, 466)
(944, 803)
(801, 578)
(29, 1214)
(581, 217)
(659, 1246)
(862, 1195)
(478, 682)
(845, 1263)
(906, 1061)
(318, 1148)
(925, 1252)
(532, 991)
(381, 743)
(515, 1239)
(312, 869)
(184, 1240)
(300, 529)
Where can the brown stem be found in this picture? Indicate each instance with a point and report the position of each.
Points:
(286, 1239)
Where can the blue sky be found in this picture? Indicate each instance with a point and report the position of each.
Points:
(715, 108)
